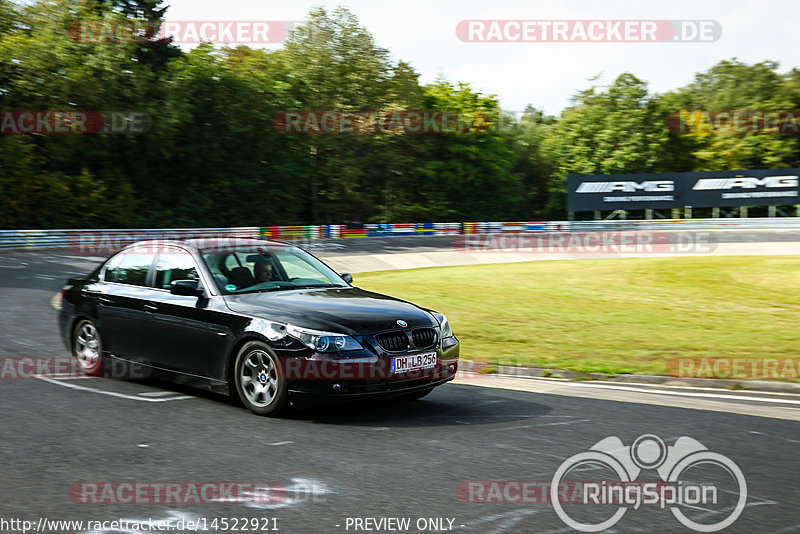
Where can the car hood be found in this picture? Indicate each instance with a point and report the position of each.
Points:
(347, 310)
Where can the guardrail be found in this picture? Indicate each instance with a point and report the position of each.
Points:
(105, 240)
(763, 223)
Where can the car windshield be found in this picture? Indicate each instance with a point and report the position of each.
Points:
(256, 268)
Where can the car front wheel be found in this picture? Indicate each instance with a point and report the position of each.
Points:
(260, 382)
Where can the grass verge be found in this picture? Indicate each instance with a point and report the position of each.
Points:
(615, 316)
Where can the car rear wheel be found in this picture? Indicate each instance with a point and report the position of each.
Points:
(260, 381)
(87, 347)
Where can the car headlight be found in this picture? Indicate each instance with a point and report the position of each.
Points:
(444, 324)
(323, 341)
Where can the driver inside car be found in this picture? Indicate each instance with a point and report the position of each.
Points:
(263, 272)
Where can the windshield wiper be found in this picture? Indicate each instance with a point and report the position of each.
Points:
(314, 286)
(287, 288)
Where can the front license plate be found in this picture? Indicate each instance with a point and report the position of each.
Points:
(401, 364)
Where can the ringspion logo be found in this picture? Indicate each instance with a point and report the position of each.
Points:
(649, 453)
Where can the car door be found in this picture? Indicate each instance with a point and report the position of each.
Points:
(121, 297)
(177, 326)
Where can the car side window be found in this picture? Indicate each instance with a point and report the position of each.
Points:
(111, 268)
(131, 269)
(174, 265)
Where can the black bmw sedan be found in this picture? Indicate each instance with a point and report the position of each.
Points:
(261, 320)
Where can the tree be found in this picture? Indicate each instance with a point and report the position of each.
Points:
(525, 137)
(735, 86)
(617, 130)
(334, 64)
(468, 176)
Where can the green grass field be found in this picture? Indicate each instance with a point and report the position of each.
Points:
(612, 316)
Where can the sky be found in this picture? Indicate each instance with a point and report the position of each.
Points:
(545, 75)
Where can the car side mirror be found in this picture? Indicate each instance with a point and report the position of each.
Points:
(188, 288)
(347, 277)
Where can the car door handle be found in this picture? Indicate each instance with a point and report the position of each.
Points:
(149, 306)
(105, 300)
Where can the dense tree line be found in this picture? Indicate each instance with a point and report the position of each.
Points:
(213, 157)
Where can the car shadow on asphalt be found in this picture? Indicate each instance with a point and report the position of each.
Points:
(450, 405)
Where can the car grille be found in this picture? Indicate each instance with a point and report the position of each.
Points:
(393, 341)
(424, 337)
(398, 340)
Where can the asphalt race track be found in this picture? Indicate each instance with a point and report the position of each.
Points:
(338, 463)
(401, 244)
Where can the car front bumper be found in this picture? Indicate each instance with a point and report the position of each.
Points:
(340, 380)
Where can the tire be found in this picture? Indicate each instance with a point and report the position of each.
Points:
(259, 379)
(87, 347)
(408, 397)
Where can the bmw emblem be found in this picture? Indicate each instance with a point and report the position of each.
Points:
(402, 323)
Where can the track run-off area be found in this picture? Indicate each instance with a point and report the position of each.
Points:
(347, 468)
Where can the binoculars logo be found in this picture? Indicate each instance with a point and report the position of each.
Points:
(648, 451)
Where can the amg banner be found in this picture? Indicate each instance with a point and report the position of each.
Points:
(763, 187)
